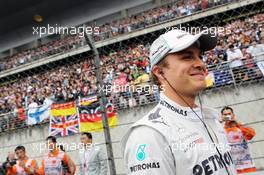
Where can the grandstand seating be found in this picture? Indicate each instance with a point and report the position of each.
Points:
(125, 66)
(108, 30)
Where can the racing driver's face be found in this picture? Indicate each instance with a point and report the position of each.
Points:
(185, 71)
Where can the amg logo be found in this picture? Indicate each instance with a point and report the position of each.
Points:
(155, 115)
(144, 166)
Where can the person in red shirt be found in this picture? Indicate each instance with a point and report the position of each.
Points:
(24, 165)
(237, 137)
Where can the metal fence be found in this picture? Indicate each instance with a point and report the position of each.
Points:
(126, 65)
(145, 92)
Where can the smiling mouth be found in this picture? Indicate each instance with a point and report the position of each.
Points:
(197, 72)
(200, 76)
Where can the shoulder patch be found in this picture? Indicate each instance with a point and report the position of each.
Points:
(156, 117)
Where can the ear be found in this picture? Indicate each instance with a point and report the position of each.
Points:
(158, 72)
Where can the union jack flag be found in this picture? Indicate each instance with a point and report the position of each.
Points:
(64, 125)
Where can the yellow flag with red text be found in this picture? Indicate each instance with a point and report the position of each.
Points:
(91, 115)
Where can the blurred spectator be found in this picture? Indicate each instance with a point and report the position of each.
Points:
(235, 56)
(204, 4)
(237, 137)
(142, 79)
(24, 165)
(220, 52)
(60, 161)
(2, 169)
(92, 158)
(255, 50)
(10, 161)
(250, 71)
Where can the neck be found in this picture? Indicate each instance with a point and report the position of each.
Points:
(24, 158)
(88, 145)
(230, 124)
(53, 151)
(177, 97)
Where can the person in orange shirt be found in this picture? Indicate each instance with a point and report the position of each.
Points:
(237, 137)
(24, 165)
(56, 162)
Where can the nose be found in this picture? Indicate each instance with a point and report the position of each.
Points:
(198, 63)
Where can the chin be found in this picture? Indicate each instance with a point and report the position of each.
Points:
(200, 86)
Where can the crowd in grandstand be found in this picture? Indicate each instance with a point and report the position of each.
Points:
(240, 33)
(114, 28)
(122, 67)
(150, 17)
(153, 16)
(239, 44)
(50, 48)
(71, 81)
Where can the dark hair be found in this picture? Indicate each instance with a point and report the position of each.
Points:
(61, 148)
(52, 138)
(20, 147)
(89, 135)
(231, 46)
(227, 108)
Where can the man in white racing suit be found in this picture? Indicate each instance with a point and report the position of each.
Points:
(178, 137)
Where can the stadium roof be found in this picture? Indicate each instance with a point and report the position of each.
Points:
(15, 14)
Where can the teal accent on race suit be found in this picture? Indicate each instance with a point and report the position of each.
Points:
(141, 155)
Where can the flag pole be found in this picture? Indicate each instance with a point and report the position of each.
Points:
(78, 103)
